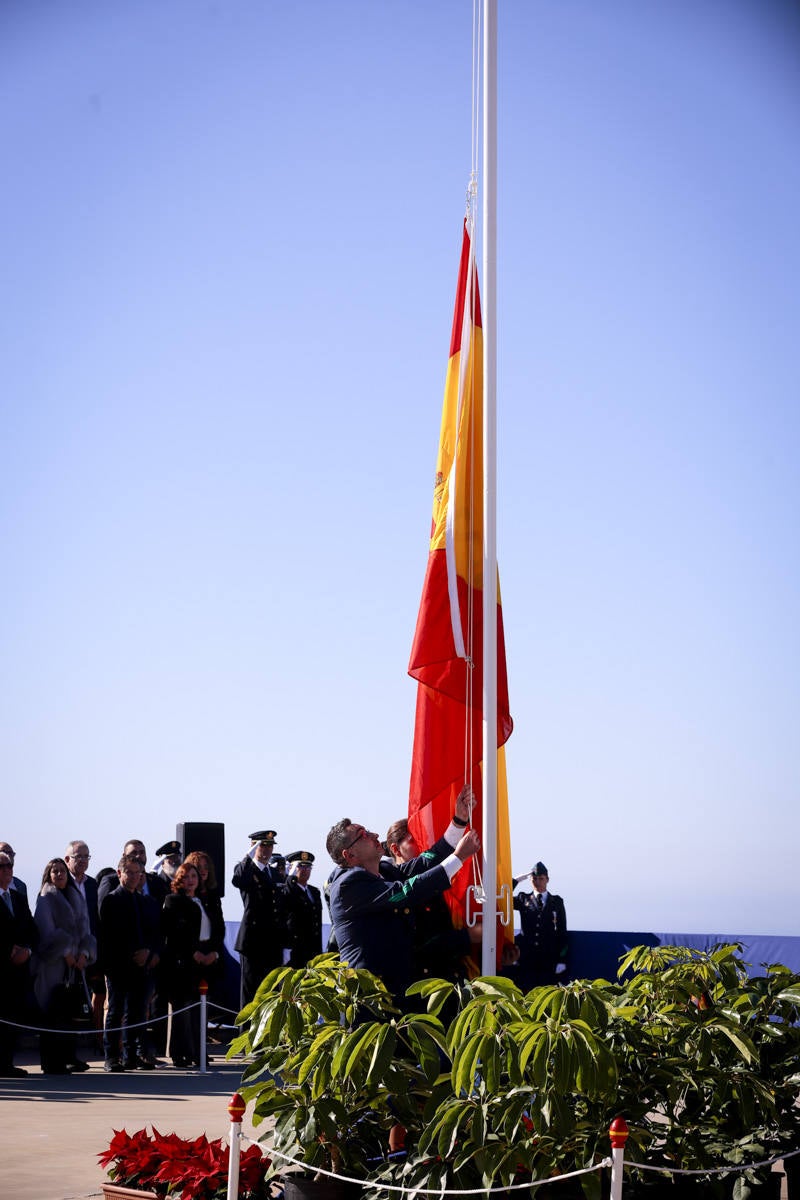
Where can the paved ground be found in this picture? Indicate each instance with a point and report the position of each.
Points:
(52, 1128)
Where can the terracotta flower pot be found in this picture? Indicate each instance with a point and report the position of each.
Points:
(113, 1191)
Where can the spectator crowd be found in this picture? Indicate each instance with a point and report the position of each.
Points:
(125, 951)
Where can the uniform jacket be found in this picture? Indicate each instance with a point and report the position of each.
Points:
(262, 929)
(545, 930)
(303, 922)
(63, 923)
(373, 914)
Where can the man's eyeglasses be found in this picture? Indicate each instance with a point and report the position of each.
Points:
(357, 838)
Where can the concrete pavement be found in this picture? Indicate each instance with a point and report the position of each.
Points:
(53, 1127)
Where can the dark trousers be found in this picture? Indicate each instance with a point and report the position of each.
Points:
(256, 969)
(127, 1007)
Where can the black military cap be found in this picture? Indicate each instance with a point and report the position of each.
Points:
(169, 848)
(539, 869)
(263, 835)
(301, 856)
(277, 860)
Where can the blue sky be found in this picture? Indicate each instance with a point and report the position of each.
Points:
(232, 233)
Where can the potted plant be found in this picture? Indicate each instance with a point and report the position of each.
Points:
(340, 1069)
(150, 1166)
(700, 1060)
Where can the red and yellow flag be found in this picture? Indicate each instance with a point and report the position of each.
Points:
(447, 654)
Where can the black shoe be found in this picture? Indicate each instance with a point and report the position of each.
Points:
(56, 1070)
(146, 1063)
(78, 1065)
(113, 1065)
(130, 1064)
(13, 1073)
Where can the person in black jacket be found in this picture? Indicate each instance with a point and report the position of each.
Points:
(544, 943)
(19, 937)
(303, 910)
(192, 951)
(261, 935)
(130, 950)
(440, 950)
(372, 900)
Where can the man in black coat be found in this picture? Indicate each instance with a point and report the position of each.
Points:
(303, 910)
(544, 944)
(130, 948)
(18, 937)
(262, 931)
(372, 900)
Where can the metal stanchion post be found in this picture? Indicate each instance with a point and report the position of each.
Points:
(203, 1027)
(618, 1132)
(236, 1109)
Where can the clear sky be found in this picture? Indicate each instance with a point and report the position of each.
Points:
(231, 232)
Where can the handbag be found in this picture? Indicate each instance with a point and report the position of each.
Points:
(71, 1001)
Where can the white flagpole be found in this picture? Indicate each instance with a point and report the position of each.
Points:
(488, 312)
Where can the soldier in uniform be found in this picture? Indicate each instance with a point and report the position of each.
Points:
(170, 858)
(303, 910)
(545, 944)
(371, 899)
(260, 938)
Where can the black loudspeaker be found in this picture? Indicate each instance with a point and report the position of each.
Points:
(208, 836)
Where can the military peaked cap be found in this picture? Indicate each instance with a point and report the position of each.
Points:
(169, 848)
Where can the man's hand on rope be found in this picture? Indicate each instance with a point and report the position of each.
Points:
(465, 803)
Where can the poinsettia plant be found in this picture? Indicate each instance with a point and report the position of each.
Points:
(182, 1168)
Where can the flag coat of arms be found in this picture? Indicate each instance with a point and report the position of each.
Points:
(447, 653)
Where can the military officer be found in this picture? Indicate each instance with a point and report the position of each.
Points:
(261, 936)
(303, 910)
(545, 944)
(170, 857)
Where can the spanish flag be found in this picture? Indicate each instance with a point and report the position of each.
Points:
(447, 654)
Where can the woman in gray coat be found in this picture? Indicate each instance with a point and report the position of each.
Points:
(65, 945)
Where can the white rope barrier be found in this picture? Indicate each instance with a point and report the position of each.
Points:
(91, 1030)
(404, 1188)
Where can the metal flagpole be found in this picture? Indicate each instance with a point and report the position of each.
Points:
(489, 316)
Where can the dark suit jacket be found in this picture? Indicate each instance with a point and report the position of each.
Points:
(373, 915)
(128, 922)
(17, 929)
(180, 930)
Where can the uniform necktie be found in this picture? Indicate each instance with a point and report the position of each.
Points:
(9, 902)
(539, 902)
